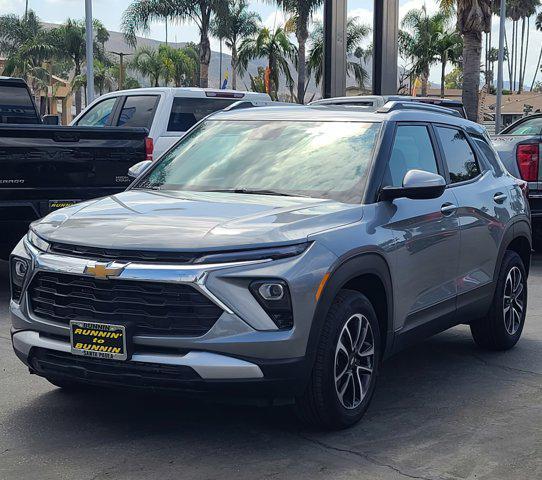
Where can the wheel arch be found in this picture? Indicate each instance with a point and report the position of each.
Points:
(367, 273)
(516, 238)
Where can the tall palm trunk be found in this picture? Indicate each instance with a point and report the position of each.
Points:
(204, 52)
(520, 84)
(234, 66)
(508, 60)
(443, 74)
(527, 34)
(78, 99)
(537, 68)
(472, 53)
(425, 81)
(302, 35)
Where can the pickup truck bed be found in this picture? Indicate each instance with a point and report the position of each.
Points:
(43, 168)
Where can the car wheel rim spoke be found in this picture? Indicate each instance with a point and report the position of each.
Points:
(354, 355)
(513, 300)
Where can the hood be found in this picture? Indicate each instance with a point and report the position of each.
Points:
(199, 221)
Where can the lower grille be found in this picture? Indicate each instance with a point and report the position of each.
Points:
(153, 308)
(50, 363)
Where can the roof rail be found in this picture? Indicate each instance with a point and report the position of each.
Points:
(256, 103)
(412, 105)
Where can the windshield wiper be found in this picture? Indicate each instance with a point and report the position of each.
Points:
(255, 192)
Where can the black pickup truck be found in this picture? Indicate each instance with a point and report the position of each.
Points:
(43, 167)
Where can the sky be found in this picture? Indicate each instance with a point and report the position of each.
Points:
(110, 13)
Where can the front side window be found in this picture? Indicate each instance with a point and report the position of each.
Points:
(412, 150)
(315, 159)
(138, 111)
(186, 112)
(460, 158)
(99, 115)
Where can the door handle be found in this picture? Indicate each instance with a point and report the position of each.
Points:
(500, 197)
(448, 209)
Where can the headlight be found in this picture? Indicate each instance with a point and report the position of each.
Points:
(37, 242)
(272, 253)
(18, 269)
(274, 297)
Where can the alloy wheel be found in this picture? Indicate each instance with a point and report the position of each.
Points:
(513, 300)
(354, 360)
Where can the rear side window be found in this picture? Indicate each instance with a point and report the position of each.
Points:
(16, 106)
(528, 127)
(458, 154)
(186, 112)
(412, 150)
(99, 115)
(138, 111)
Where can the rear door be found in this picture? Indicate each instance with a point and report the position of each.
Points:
(482, 194)
(426, 232)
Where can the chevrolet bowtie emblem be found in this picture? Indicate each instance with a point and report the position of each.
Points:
(103, 270)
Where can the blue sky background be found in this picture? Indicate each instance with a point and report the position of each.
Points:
(110, 12)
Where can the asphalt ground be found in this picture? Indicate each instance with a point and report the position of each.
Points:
(443, 409)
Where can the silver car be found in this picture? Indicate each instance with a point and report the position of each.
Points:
(279, 252)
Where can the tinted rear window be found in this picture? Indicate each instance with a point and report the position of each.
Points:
(186, 112)
(138, 111)
(16, 106)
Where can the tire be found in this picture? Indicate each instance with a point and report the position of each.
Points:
(499, 330)
(322, 404)
(67, 384)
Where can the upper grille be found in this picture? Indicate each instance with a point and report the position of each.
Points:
(154, 308)
(97, 253)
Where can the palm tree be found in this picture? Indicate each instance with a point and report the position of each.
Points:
(301, 11)
(473, 18)
(149, 63)
(448, 46)
(70, 42)
(538, 24)
(140, 13)
(355, 34)
(26, 45)
(276, 47)
(233, 25)
(178, 63)
(425, 40)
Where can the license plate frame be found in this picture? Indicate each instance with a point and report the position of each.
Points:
(98, 340)
(58, 204)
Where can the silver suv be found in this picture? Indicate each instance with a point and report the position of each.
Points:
(282, 252)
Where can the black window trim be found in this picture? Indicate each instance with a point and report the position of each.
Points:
(449, 183)
(123, 99)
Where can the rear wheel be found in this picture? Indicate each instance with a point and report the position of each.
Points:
(501, 328)
(344, 376)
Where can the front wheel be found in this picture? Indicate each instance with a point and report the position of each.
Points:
(501, 328)
(344, 375)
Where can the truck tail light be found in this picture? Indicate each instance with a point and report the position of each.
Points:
(527, 156)
(149, 148)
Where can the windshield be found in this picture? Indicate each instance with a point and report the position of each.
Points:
(315, 159)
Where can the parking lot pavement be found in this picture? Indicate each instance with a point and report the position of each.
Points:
(443, 410)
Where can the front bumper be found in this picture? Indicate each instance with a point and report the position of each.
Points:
(244, 347)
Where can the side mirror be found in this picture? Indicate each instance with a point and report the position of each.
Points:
(51, 120)
(137, 169)
(417, 184)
